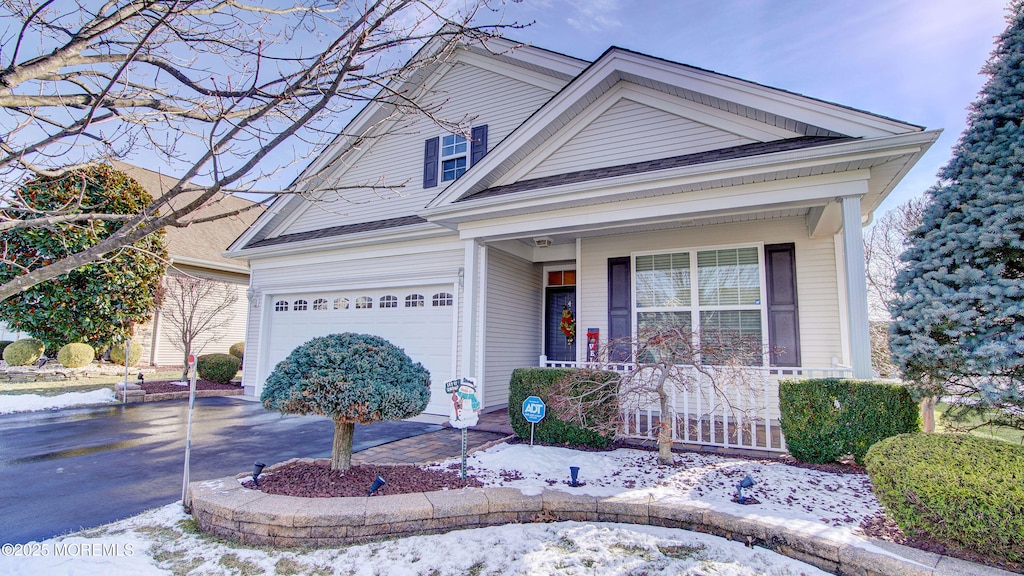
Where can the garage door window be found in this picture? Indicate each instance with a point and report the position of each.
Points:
(319, 304)
(300, 305)
(364, 302)
(389, 301)
(414, 301)
(341, 303)
(442, 299)
(281, 306)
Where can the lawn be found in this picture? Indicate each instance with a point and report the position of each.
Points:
(988, 431)
(56, 387)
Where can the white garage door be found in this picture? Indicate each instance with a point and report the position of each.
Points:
(420, 319)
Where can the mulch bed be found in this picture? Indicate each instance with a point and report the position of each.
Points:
(162, 386)
(319, 481)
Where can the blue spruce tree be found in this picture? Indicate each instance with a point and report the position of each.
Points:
(959, 310)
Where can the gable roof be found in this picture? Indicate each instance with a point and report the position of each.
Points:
(201, 244)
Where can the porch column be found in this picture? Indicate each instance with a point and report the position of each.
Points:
(856, 288)
(470, 277)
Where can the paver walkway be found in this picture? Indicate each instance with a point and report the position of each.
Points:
(440, 445)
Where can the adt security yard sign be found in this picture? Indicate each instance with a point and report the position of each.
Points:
(533, 411)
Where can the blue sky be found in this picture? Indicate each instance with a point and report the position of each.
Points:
(913, 60)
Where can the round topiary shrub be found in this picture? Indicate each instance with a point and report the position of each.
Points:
(959, 489)
(24, 352)
(217, 367)
(117, 354)
(352, 379)
(237, 350)
(75, 355)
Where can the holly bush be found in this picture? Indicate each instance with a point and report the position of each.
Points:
(100, 301)
(217, 367)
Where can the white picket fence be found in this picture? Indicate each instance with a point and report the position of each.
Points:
(743, 413)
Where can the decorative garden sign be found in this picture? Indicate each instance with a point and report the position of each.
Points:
(465, 409)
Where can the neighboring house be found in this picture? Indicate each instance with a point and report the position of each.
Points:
(624, 191)
(197, 251)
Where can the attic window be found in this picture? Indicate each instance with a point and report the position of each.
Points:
(454, 157)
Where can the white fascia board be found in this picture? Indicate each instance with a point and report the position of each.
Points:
(791, 105)
(412, 232)
(803, 192)
(563, 64)
(505, 68)
(209, 264)
(607, 190)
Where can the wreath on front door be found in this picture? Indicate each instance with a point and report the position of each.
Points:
(568, 325)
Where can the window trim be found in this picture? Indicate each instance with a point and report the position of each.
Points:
(694, 307)
(442, 157)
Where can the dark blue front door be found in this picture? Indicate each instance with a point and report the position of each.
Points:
(556, 346)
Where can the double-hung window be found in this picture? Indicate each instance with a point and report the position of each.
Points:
(714, 295)
(454, 157)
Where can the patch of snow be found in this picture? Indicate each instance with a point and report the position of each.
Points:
(556, 548)
(33, 402)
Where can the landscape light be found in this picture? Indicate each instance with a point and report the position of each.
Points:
(747, 482)
(257, 468)
(574, 472)
(377, 483)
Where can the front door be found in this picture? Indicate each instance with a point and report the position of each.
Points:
(556, 344)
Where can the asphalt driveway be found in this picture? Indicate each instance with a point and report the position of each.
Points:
(82, 467)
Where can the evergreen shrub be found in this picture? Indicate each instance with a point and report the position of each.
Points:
(826, 419)
(75, 355)
(237, 350)
(962, 490)
(526, 382)
(24, 352)
(117, 354)
(218, 367)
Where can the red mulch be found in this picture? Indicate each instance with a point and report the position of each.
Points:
(319, 481)
(161, 386)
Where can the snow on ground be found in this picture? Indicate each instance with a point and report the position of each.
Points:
(820, 503)
(32, 402)
(163, 541)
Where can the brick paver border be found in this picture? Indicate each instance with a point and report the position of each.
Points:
(226, 508)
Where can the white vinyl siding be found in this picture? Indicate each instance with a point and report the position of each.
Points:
(513, 321)
(633, 132)
(492, 99)
(817, 290)
(162, 348)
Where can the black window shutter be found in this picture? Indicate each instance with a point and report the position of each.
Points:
(430, 152)
(783, 312)
(478, 148)
(620, 313)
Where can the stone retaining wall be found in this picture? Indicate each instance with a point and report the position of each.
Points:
(226, 508)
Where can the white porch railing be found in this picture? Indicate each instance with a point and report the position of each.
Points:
(723, 414)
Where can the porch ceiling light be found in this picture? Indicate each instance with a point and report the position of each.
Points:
(543, 241)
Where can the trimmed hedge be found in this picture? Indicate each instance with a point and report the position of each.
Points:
(826, 419)
(217, 367)
(75, 355)
(24, 352)
(134, 355)
(959, 489)
(527, 382)
(237, 350)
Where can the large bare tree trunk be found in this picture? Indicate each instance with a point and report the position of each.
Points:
(341, 451)
(928, 414)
